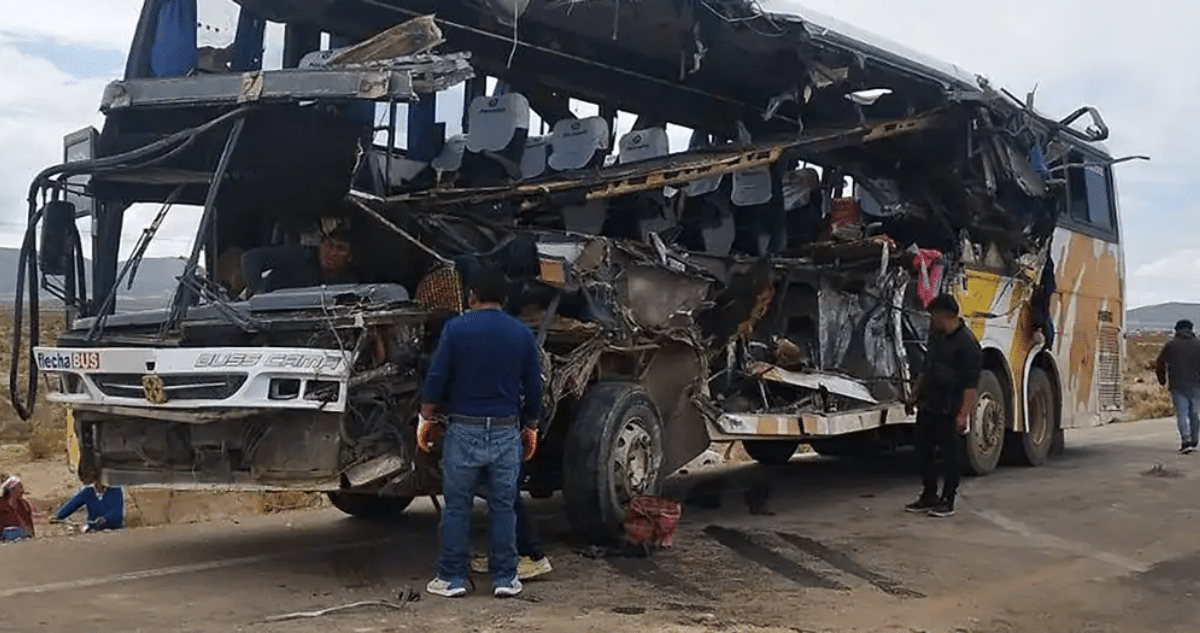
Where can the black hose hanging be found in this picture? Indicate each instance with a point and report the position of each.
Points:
(27, 271)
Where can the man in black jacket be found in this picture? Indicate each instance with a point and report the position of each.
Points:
(944, 396)
(1178, 367)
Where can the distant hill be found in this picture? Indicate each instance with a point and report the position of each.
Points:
(1161, 317)
(152, 286)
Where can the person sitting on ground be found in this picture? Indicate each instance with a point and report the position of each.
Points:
(105, 507)
(300, 266)
(16, 514)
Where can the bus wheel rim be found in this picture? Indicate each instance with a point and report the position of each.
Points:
(633, 467)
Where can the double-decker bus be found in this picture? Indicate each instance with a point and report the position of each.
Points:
(722, 225)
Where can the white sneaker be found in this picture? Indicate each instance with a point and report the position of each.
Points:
(508, 590)
(446, 588)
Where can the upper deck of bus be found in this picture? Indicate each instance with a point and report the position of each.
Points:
(701, 64)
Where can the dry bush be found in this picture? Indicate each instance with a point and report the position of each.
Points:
(1144, 397)
(46, 430)
(271, 502)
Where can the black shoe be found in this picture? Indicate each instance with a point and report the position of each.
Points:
(944, 508)
(1186, 447)
(924, 504)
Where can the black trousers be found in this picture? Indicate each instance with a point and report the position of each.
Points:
(936, 434)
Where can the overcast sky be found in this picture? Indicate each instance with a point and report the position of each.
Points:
(1135, 61)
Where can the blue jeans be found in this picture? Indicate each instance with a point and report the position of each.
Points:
(528, 543)
(475, 454)
(12, 534)
(1187, 414)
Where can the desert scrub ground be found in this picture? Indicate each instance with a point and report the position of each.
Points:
(1144, 398)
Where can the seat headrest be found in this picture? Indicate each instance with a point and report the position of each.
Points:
(537, 152)
(751, 187)
(798, 187)
(639, 145)
(452, 154)
(703, 186)
(574, 142)
(492, 122)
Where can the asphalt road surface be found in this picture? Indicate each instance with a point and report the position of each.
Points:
(1105, 539)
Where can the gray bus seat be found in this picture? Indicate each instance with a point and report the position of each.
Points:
(497, 128)
(578, 143)
(534, 160)
(645, 144)
(496, 124)
(451, 158)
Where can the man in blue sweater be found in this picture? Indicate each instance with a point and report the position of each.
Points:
(105, 507)
(485, 377)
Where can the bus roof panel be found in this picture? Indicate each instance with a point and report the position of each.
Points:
(833, 32)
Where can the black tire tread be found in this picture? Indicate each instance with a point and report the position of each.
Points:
(1031, 454)
(973, 463)
(771, 452)
(584, 454)
(367, 506)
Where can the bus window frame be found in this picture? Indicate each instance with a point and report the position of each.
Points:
(1067, 218)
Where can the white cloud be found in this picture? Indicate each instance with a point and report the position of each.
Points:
(38, 106)
(1133, 60)
(106, 24)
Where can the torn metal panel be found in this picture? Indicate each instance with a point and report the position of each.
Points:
(419, 35)
(668, 378)
(400, 79)
(816, 381)
(858, 335)
(280, 85)
(655, 296)
(376, 469)
(766, 425)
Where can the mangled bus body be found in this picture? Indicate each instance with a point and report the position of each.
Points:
(760, 279)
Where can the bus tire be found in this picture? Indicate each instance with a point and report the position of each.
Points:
(367, 506)
(771, 452)
(989, 423)
(1032, 448)
(613, 452)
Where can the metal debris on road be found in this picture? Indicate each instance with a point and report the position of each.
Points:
(297, 615)
(406, 595)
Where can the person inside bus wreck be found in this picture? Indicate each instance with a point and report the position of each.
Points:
(944, 396)
(16, 513)
(300, 266)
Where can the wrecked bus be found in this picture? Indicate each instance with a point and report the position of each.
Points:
(761, 279)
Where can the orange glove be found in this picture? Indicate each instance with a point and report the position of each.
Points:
(428, 433)
(528, 443)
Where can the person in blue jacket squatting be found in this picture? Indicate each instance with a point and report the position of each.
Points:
(105, 507)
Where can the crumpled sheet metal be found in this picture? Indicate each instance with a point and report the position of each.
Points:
(838, 385)
(857, 336)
